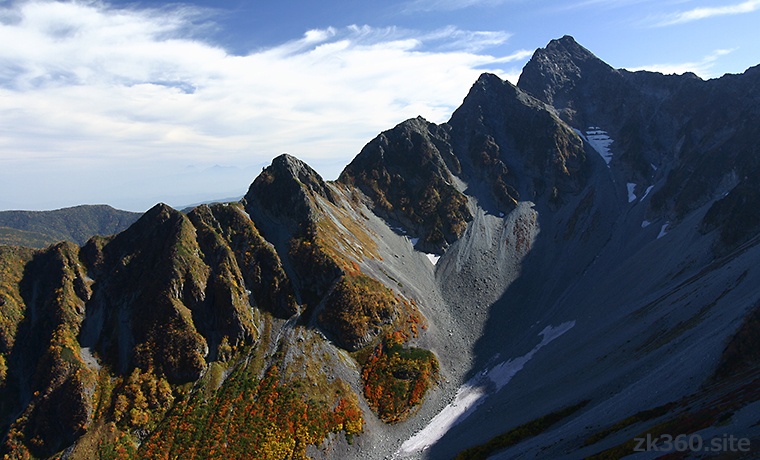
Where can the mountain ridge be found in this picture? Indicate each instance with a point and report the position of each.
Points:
(76, 224)
(584, 239)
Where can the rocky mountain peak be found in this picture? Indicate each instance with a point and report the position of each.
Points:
(407, 172)
(556, 72)
(283, 190)
(514, 144)
(289, 167)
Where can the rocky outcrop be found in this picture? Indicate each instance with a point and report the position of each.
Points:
(283, 190)
(699, 135)
(407, 173)
(517, 145)
(230, 241)
(48, 382)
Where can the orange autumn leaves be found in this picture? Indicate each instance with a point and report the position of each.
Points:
(396, 378)
(249, 419)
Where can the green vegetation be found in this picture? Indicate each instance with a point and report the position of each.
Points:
(3, 369)
(343, 237)
(177, 361)
(515, 435)
(142, 400)
(439, 208)
(396, 378)
(76, 224)
(685, 423)
(14, 237)
(642, 416)
(196, 275)
(356, 309)
(743, 349)
(248, 418)
(485, 155)
(62, 379)
(122, 448)
(12, 263)
(225, 229)
(316, 270)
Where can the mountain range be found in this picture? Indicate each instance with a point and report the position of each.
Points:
(564, 267)
(39, 229)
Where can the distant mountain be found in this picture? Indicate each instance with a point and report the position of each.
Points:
(189, 207)
(564, 267)
(77, 224)
(14, 237)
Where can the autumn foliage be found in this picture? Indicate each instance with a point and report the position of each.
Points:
(356, 309)
(396, 378)
(249, 418)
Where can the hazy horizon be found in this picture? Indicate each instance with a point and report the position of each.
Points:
(132, 104)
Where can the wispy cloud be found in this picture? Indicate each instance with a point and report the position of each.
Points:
(706, 12)
(100, 96)
(701, 68)
(416, 6)
(599, 4)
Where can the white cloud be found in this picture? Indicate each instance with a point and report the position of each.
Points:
(706, 12)
(415, 6)
(599, 4)
(89, 90)
(701, 68)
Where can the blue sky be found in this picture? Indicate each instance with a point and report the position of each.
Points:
(132, 103)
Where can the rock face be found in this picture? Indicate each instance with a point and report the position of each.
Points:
(579, 247)
(407, 173)
(702, 134)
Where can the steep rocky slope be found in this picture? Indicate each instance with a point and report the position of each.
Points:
(565, 265)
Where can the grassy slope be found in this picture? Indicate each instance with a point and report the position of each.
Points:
(76, 224)
(15, 237)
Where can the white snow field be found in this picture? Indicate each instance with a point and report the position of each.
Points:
(631, 195)
(599, 140)
(474, 392)
(663, 230)
(433, 258)
(646, 192)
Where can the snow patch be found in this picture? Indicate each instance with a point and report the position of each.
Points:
(645, 224)
(600, 141)
(433, 258)
(401, 230)
(646, 192)
(474, 393)
(653, 166)
(631, 195)
(663, 230)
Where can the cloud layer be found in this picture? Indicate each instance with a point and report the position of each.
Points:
(129, 94)
(707, 12)
(701, 67)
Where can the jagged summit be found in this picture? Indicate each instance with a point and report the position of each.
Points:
(513, 141)
(282, 189)
(561, 75)
(407, 172)
(287, 166)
